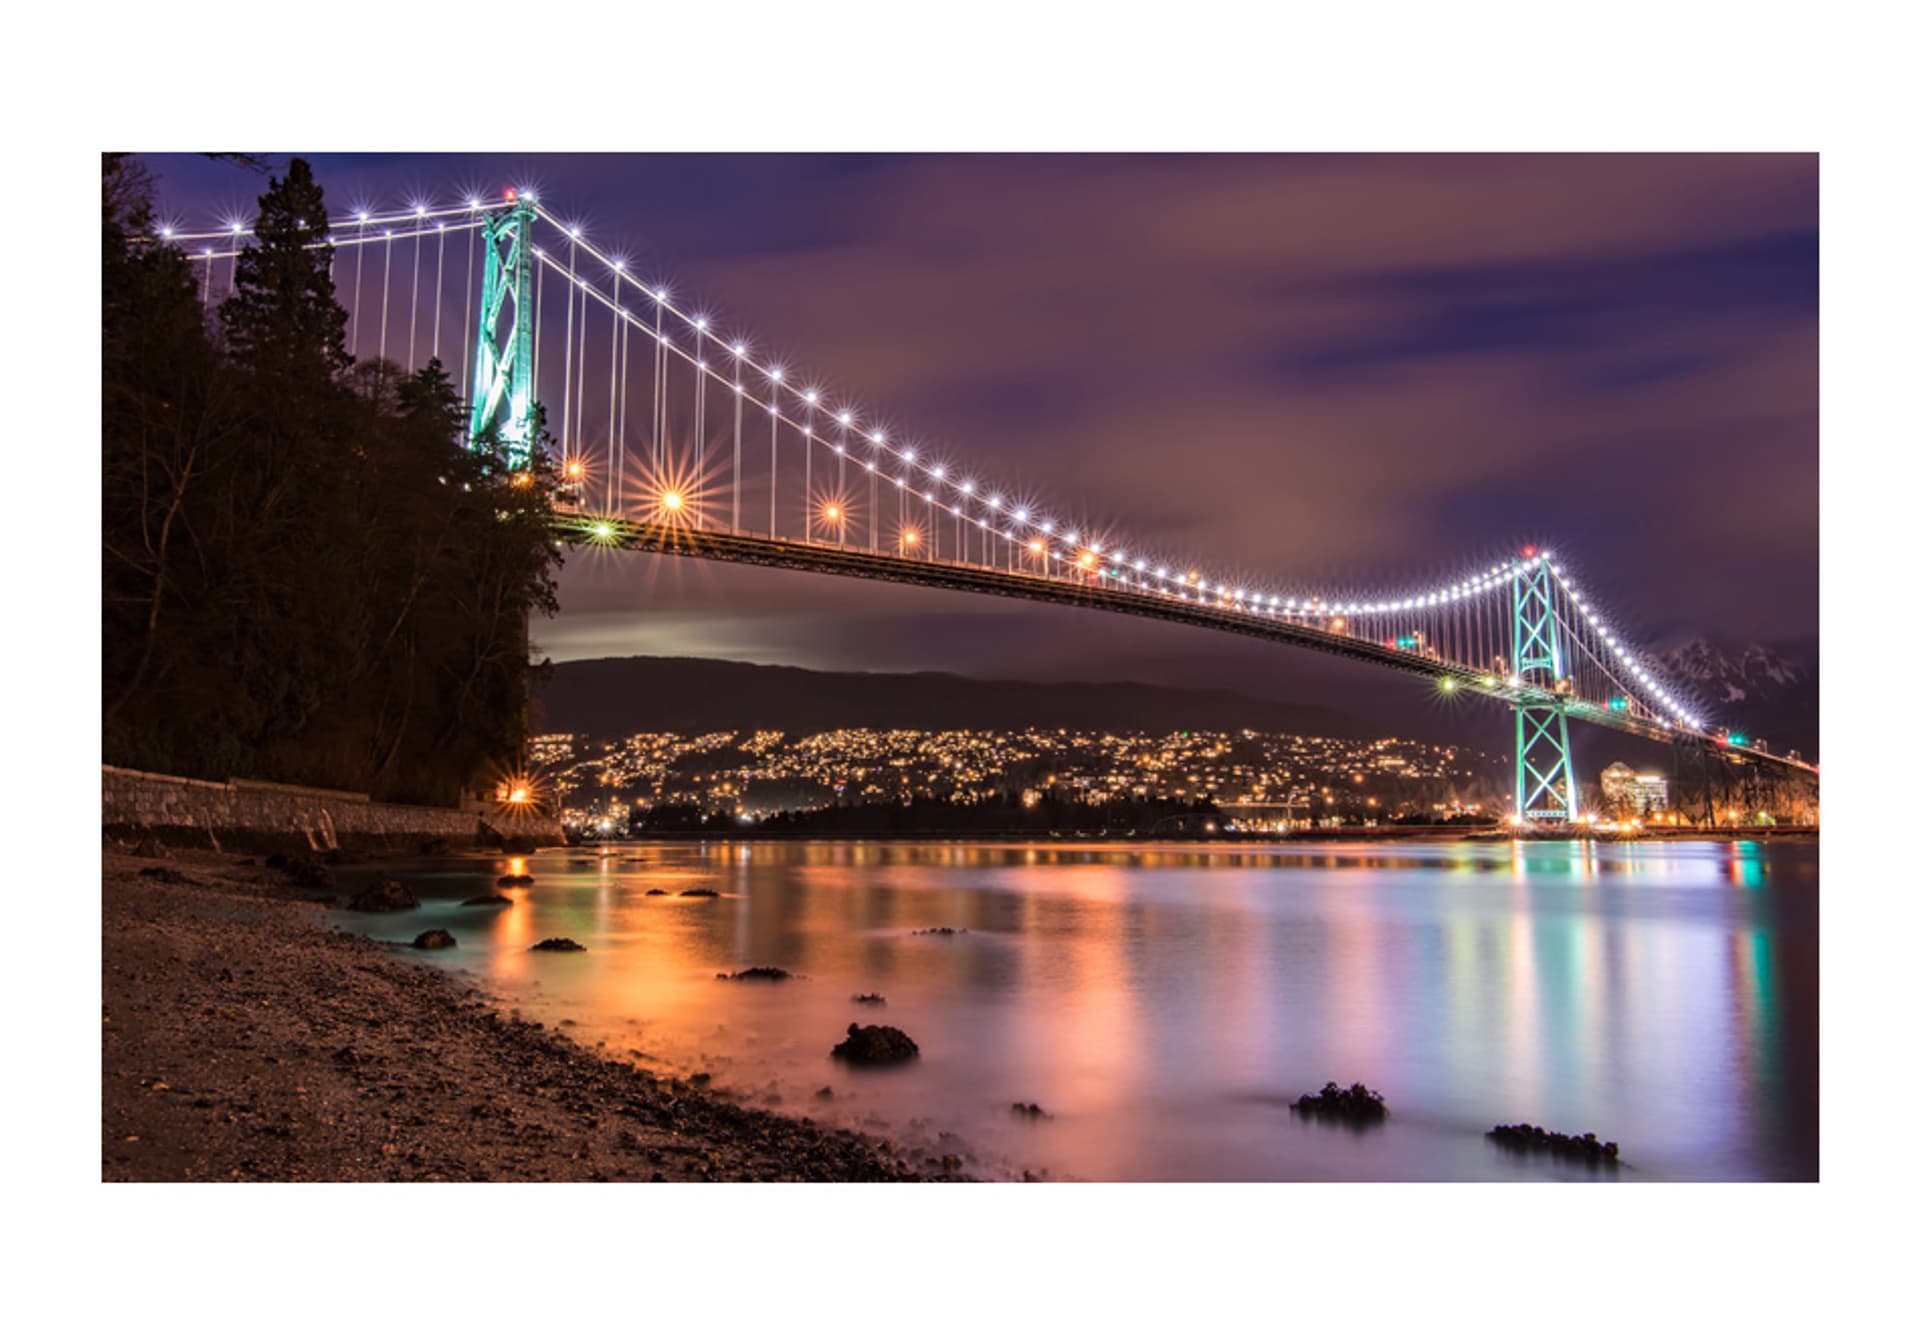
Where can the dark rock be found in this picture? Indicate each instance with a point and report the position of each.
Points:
(277, 862)
(875, 1044)
(559, 944)
(580, 863)
(487, 901)
(149, 847)
(869, 998)
(514, 881)
(518, 845)
(824, 1091)
(1538, 1139)
(758, 973)
(700, 1079)
(166, 875)
(655, 892)
(384, 895)
(1031, 1110)
(1357, 1103)
(435, 939)
(700, 892)
(434, 847)
(335, 857)
(309, 874)
(942, 931)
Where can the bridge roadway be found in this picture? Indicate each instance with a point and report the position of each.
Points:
(670, 539)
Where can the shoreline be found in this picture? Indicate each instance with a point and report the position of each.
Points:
(243, 1037)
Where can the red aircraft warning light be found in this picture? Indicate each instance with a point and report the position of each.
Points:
(1527, 552)
(510, 194)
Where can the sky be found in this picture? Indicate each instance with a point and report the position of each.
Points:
(1354, 372)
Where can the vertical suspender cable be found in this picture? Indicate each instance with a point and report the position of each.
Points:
(359, 263)
(658, 424)
(386, 283)
(738, 390)
(439, 277)
(413, 297)
(613, 388)
(569, 445)
(466, 364)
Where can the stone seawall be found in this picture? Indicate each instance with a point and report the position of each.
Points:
(241, 812)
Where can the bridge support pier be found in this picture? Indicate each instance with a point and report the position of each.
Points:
(1544, 786)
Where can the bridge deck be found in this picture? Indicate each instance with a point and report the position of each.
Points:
(829, 558)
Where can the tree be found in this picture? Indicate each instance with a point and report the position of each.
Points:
(282, 320)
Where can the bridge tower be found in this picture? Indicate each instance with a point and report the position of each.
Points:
(1544, 788)
(502, 392)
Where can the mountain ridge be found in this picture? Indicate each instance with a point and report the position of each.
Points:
(612, 697)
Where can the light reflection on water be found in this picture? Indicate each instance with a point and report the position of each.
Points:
(1166, 1003)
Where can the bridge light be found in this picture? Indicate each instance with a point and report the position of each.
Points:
(740, 350)
(774, 373)
(620, 266)
(1019, 516)
(846, 419)
(362, 216)
(906, 455)
(603, 530)
(966, 488)
(671, 502)
(700, 323)
(812, 396)
(419, 210)
(937, 472)
(879, 437)
(1448, 684)
(659, 294)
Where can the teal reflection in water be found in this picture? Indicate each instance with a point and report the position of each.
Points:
(1167, 1003)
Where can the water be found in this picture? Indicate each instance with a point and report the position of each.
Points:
(1166, 1003)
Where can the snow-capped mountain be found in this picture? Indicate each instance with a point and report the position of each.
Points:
(1763, 689)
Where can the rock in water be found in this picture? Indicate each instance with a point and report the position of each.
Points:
(559, 944)
(655, 893)
(1358, 1103)
(435, 939)
(869, 998)
(384, 895)
(310, 874)
(758, 973)
(1539, 1139)
(942, 931)
(1031, 1110)
(487, 901)
(514, 881)
(700, 893)
(875, 1044)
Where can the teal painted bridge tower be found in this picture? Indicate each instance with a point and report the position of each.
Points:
(502, 394)
(1544, 788)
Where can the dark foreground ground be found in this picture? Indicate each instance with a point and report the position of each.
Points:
(242, 1038)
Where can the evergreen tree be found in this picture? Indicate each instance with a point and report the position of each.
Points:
(282, 320)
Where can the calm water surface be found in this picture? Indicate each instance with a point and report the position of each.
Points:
(1166, 1003)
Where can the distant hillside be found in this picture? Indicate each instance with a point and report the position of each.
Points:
(609, 697)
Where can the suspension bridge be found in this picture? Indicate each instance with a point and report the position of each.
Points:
(670, 436)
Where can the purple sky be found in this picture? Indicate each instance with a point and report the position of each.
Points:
(1342, 371)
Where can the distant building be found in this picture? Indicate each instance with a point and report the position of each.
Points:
(1631, 793)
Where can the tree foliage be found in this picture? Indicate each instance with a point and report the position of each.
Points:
(308, 575)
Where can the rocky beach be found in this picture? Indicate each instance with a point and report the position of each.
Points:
(244, 1037)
